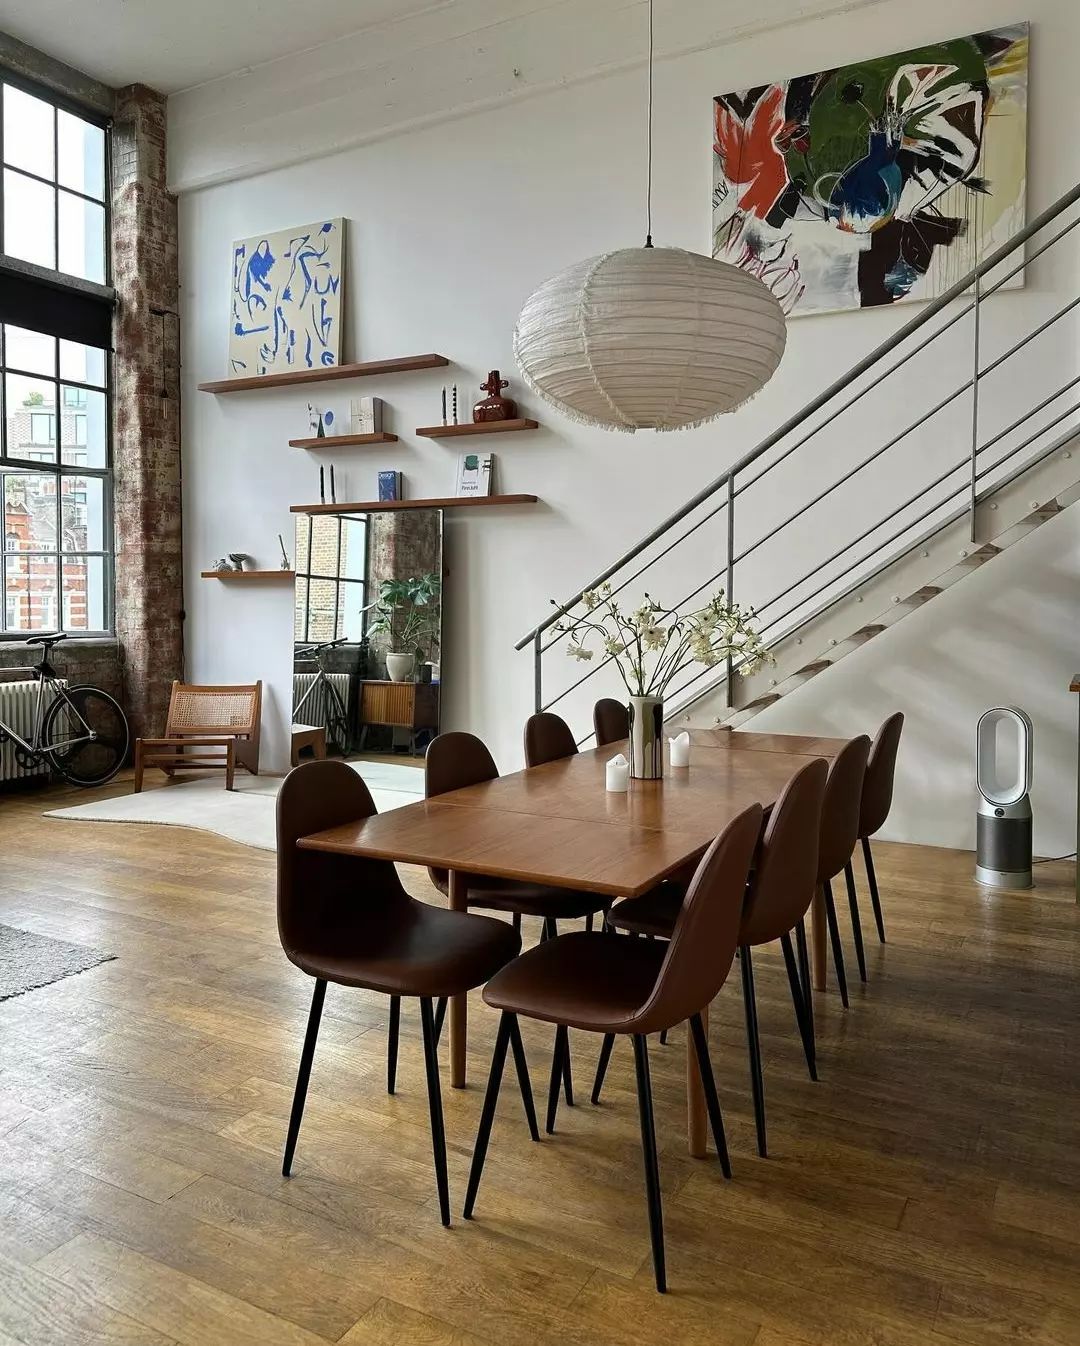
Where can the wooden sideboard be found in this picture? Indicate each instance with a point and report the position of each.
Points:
(401, 705)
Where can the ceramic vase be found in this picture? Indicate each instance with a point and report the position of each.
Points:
(646, 737)
(399, 667)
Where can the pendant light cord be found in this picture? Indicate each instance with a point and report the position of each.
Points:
(648, 170)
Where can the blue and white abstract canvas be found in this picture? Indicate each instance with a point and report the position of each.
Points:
(287, 300)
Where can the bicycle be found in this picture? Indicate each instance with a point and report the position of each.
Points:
(321, 705)
(82, 733)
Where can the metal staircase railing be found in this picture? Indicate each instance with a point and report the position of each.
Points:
(791, 599)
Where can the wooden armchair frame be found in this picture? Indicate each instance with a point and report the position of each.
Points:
(221, 722)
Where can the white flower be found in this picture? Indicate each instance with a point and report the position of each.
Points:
(579, 652)
(590, 599)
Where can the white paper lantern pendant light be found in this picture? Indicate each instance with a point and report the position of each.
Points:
(649, 338)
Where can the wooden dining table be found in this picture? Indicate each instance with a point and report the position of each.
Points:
(557, 824)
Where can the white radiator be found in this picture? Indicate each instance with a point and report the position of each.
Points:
(302, 681)
(17, 701)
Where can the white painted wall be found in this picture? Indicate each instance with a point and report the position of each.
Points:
(450, 228)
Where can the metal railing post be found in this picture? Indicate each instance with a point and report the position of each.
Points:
(729, 582)
(538, 677)
(973, 488)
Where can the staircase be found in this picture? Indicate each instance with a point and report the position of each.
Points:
(980, 391)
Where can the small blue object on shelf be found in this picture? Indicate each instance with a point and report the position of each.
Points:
(390, 485)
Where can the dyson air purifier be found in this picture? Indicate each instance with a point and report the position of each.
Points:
(1004, 746)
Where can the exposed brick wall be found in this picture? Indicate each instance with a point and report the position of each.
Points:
(94, 661)
(146, 444)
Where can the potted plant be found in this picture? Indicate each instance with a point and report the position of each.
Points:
(651, 645)
(406, 612)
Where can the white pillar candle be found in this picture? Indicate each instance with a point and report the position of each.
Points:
(679, 749)
(618, 774)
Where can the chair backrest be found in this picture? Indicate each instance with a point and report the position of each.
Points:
(611, 721)
(197, 711)
(547, 738)
(842, 806)
(313, 885)
(453, 761)
(785, 873)
(880, 770)
(706, 933)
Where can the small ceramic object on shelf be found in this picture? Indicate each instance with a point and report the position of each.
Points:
(238, 558)
(617, 774)
(494, 407)
(222, 563)
(284, 554)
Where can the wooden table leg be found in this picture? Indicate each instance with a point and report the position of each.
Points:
(459, 1004)
(695, 1095)
(818, 940)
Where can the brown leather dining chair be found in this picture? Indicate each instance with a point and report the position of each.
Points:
(778, 896)
(456, 760)
(548, 738)
(600, 982)
(611, 721)
(876, 803)
(839, 833)
(349, 920)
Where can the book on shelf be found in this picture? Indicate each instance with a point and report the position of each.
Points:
(474, 474)
(366, 415)
(390, 485)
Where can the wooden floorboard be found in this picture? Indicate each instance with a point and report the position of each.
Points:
(924, 1192)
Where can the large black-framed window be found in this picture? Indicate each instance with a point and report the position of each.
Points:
(56, 563)
(331, 577)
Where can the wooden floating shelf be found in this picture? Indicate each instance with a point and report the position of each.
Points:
(325, 373)
(445, 502)
(476, 428)
(252, 576)
(342, 441)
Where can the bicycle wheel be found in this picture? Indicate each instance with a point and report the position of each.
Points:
(78, 758)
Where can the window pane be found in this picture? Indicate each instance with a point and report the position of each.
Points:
(29, 512)
(32, 351)
(82, 238)
(82, 513)
(300, 609)
(82, 428)
(350, 616)
(30, 410)
(30, 593)
(84, 364)
(29, 226)
(321, 604)
(28, 133)
(84, 593)
(353, 549)
(82, 155)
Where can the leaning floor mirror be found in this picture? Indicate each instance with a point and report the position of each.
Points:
(367, 640)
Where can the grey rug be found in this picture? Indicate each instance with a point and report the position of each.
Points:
(28, 961)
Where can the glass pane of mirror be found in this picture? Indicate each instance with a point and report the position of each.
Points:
(368, 639)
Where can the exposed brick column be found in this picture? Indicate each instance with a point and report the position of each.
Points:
(146, 438)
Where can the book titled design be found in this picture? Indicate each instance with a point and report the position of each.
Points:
(474, 473)
(390, 485)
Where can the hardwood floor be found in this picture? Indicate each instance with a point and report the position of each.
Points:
(925, 1191)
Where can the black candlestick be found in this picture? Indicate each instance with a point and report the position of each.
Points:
(322, 484)
(333, 491)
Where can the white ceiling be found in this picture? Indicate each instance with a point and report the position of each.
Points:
(176, 44)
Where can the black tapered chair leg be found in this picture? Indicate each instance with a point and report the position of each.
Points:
(549, 929)
(871, 878)
(515, 921)
(648, 1152)
(712, 1099)
(392, 1047)
(561, 1045)
(753, 1046)
(837, 947)
(487, 1115)
(307, 1055)
(663, 1037)
(856, 923)
(806, 983)
(797, 999)
(524, 1082)
(602, 1065)
(440, 1015)
(438, 1134)
(567, 1077)
(589, 922)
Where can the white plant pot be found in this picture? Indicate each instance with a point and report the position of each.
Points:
(399, 667)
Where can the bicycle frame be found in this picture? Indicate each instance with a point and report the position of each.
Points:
(38, 749)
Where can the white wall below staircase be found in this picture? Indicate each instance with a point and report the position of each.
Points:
(1005, 635)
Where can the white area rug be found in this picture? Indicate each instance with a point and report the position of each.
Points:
(245, 814)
